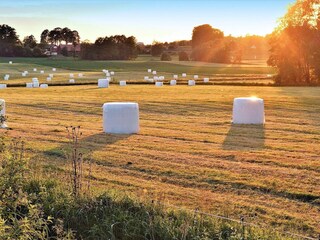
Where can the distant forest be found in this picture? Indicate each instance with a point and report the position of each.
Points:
(63, 41)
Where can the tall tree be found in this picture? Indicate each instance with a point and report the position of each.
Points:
(8, 40)
(205, 33)
(29, 41)
(295, 45)
(44, 36)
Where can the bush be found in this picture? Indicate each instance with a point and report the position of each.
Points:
(183, 56)
(165, 57)
(37, 52)
(64, 52)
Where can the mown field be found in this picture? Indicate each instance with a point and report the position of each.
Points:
(132, 71)
(187, 152)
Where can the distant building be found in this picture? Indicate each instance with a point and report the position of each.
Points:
(54, 50)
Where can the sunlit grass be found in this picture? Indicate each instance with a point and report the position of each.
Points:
(187, 148)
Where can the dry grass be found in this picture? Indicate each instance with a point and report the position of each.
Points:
(187, 148)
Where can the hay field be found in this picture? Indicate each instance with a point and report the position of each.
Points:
(187, 148)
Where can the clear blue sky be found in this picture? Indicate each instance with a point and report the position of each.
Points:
(161, 20)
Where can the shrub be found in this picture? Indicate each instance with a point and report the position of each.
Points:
(183, 56)
(64, 52)
(37, 52)
(165, 57)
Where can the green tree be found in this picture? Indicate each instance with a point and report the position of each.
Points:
(29, 41)
(205, 33)
(157, 49)
(8, 40)
(295, 45)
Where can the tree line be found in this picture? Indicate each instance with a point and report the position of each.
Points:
(11, 46)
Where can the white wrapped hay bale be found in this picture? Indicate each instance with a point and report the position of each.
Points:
(29, 85)
(248, 110)
(191, 82)
(121, 117)
(2, 107)
(175, 77)
(149, 70)
(154, 72)
(6, 77)
(161, 78)
(23, 74)
(195, 77)
(44, 85)
(35, 84)
(173, 82)
(10, 62)
(184, 75)
(34, 69)
(146, 78)
(3, 85)
(206, 80)
(112, 73)
(51, 75)
(80, 75)
(156, 78)
(54, 69)
(72, 81)
(49, 78)
(3, 113)
(108, 74)
(35, 80)
(122, 83)
(159, 84)
(42, 72)
(103, 83)
(71, 75)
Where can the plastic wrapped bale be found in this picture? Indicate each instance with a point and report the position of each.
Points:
(35, 80)
(112, 73)
(54, 69)
(195, 77)
(34, 69)
(23, 74)
(154, 72)
(155, 78)
(175, 77)
(10, 62)
(161, 78)
(80, 75)
(29, 85)
(6, 77)
(72, 81)
(51, 75)
(184, 75)
(71, 75)
(206, 80)
(121, 117)
(159, 84)
(108, 74)
(122, 83)
(36, 84)
(248, 110)
(3, 85)
(103, 83)
(43, 85)
(173, 82)
(191, 82)
(26, 72)
(49, 79)
(146, 78)
(3, 113)
(42, 72)
(149, 70)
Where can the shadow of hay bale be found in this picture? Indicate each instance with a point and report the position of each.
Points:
(245, 137)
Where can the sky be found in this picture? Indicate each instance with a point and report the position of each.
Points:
(147, 20)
